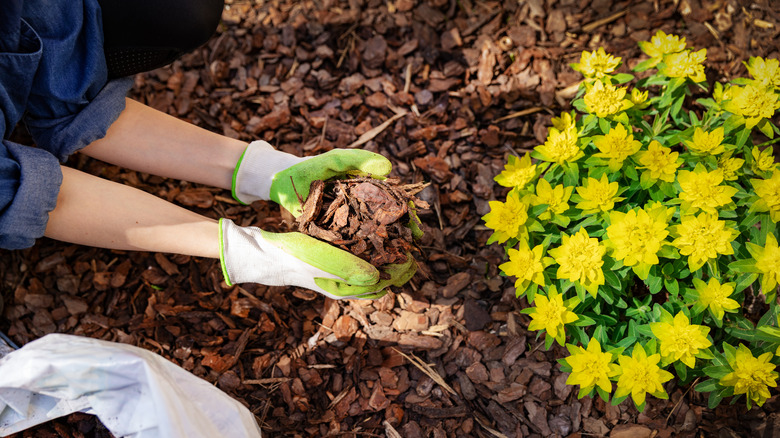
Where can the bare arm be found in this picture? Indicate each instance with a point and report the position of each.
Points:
(96, 212)
(151, 141)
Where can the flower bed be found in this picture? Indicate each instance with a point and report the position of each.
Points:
(645, 224)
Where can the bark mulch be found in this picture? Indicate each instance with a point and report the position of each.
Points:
(446, 90)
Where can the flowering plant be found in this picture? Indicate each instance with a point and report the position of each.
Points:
(643, 232)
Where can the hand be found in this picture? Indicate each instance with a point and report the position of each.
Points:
(264, 173)
(249, 254)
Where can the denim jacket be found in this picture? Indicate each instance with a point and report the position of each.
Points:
(53, 78)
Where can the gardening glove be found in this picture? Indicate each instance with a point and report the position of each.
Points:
(263, 173)
(252, 255)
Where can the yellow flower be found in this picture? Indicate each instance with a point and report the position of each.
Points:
(518, 172)
(605, 99)
(598, 195)
(686, 65)
(767, 262)
(731, 167)
(525, 264)
(561, 147)
(706, 142)
(763, 161)
(681, 340)
(564, 122)
(768, 191)
(702, 238)
(638, 97)
(752, 376)
(591, 367)
(753, 102)
(556, 199)
(596, 64)
(660, 162)
(580, 258)
(662, 44)
(617, 145)
(551, 314)
(715, 296)
(702, 189)
(640, 375)
(764, 71)
(637, 236)
(507, 219)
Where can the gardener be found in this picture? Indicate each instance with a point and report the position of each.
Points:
(58, 64)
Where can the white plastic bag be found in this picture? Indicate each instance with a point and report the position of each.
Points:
(135, 393)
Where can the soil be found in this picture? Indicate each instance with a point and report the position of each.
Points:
(446, 90)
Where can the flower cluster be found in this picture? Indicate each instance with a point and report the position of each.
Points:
(642, 224)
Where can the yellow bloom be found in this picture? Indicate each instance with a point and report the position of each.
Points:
(638, 97)
(706, 142)
(560, 147)
(605, 99)
(681, 340)
(525, 264)
(660, 162)
(752, 376)
(715, 296)
(591, 367)
(767, 262)
(731, 167)
(564, 122)
(617, 145)
(662, 44)
(556, 199)
(768, 191)
(638, 235)
(551, 314)
(598, 195)
(596, 64)
(580, 258)
(763, 161)
(764, 71)
(686, 65)
(702, 189)
(507, 219)
(753, 102)
(518, 172)
(640, 375)
(702, 238)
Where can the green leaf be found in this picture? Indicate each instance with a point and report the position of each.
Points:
(682, 370)
(654, 283)
(708, 385)
(742, 137)
(672, 286)
(622, 78)
(604, 126)
(765, 126)
(613, 280)
(645, 65)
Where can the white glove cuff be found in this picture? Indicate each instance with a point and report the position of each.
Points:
(255, 171)
(247, 257)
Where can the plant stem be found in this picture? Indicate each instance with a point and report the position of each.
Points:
(773, 141)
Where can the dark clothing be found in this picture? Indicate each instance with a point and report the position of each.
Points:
(142, 35)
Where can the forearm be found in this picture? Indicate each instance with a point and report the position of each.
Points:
(150, 141)
(96, 212)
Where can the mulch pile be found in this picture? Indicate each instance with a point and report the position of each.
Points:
(445, 89)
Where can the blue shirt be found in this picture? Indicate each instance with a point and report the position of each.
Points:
(53, 78)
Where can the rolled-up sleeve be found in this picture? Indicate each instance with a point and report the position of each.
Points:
(30, 179)
(71, 103)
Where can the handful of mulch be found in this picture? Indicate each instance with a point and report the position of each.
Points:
(373, 219)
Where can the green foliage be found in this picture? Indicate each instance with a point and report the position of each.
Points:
(658, 215)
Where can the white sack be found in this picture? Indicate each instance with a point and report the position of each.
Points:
(135, 393)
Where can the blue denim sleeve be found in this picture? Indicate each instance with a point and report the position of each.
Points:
(71, 103)
(29, 178)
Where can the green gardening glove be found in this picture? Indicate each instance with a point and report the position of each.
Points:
(252, 255)
(264, 173)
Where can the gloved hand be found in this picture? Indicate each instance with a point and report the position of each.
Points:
(249, 254)
(263, 173)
